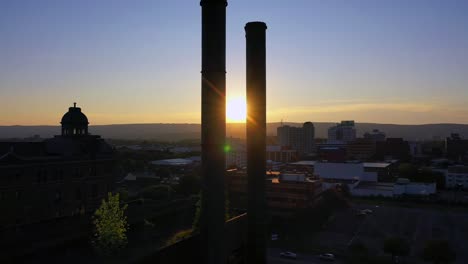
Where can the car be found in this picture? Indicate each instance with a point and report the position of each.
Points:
(361, 214)
(288, 254)
(327, 256)
(367, 211)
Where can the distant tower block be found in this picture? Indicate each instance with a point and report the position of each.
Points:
(255, 33)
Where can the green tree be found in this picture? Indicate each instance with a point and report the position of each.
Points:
(110, 225)
(396, 246)
(123, 194)
(189, 184)
(438, 252)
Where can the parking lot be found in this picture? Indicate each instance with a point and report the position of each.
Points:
(274, 258)
(417, 225)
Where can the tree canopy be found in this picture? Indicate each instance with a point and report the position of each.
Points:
(438, 251)
(110, 225)
(396, 246)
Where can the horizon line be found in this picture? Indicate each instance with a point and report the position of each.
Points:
(243, 123)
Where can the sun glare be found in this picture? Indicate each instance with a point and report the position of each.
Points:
(236, 110)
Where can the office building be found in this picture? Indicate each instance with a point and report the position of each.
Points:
(301, 139)
(342, 132)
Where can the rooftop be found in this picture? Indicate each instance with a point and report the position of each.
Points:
(304, 162)
(376, 164)
(172, 162)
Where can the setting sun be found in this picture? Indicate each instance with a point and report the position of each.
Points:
(236, 110)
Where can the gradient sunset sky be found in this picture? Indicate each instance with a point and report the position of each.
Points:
(394, 61)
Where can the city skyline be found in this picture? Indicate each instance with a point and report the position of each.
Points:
(389, 62)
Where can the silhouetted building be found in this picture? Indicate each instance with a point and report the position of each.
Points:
(281, 154)
(393, 148)
(375, 135)
(301, 139)
(286, 193)
(344, 132)
(456, 148)
(59, 177)
(332, 152)
(416, 149)
(360, 149)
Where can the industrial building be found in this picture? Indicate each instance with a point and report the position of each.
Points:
(456, 176)
(286, 193)
(362, 179)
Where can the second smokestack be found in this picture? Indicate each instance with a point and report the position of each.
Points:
(255, 33)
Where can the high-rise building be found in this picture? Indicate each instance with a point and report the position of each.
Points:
(456, 148)
(298, 138)
(309, 137)
(344, 132)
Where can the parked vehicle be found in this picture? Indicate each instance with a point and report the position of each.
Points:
(327, 256)
(288, 254)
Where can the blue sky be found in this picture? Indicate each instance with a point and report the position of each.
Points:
(139, 61)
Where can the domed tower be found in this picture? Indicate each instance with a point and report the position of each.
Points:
(74, 122)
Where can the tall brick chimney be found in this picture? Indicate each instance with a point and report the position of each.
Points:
(256, 141)
(213, 88)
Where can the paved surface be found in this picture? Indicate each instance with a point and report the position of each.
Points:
(274, 258)
(417, 225)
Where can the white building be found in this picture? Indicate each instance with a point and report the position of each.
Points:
(456, 176)
(236, 153)
(405, 187)
(365, 183)
(344, 171)
(401, 187)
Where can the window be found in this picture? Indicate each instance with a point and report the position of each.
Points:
(18, 176)
(76, 173)
(18, 194)
(44, 175)
(60, 174)
(54, 176)
(38, 176)
(94, 190)
(58, 196)
(78, 194)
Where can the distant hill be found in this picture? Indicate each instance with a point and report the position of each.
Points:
(174, 132)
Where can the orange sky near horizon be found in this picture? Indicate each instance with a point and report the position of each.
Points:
(394, 62)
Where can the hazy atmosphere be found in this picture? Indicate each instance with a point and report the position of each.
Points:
(400, 62)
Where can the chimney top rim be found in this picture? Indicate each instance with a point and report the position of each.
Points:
(256, 25)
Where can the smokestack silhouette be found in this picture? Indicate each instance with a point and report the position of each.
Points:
(213, 129)
(256, 141)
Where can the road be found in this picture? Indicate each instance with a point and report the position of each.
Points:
(274, 258)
